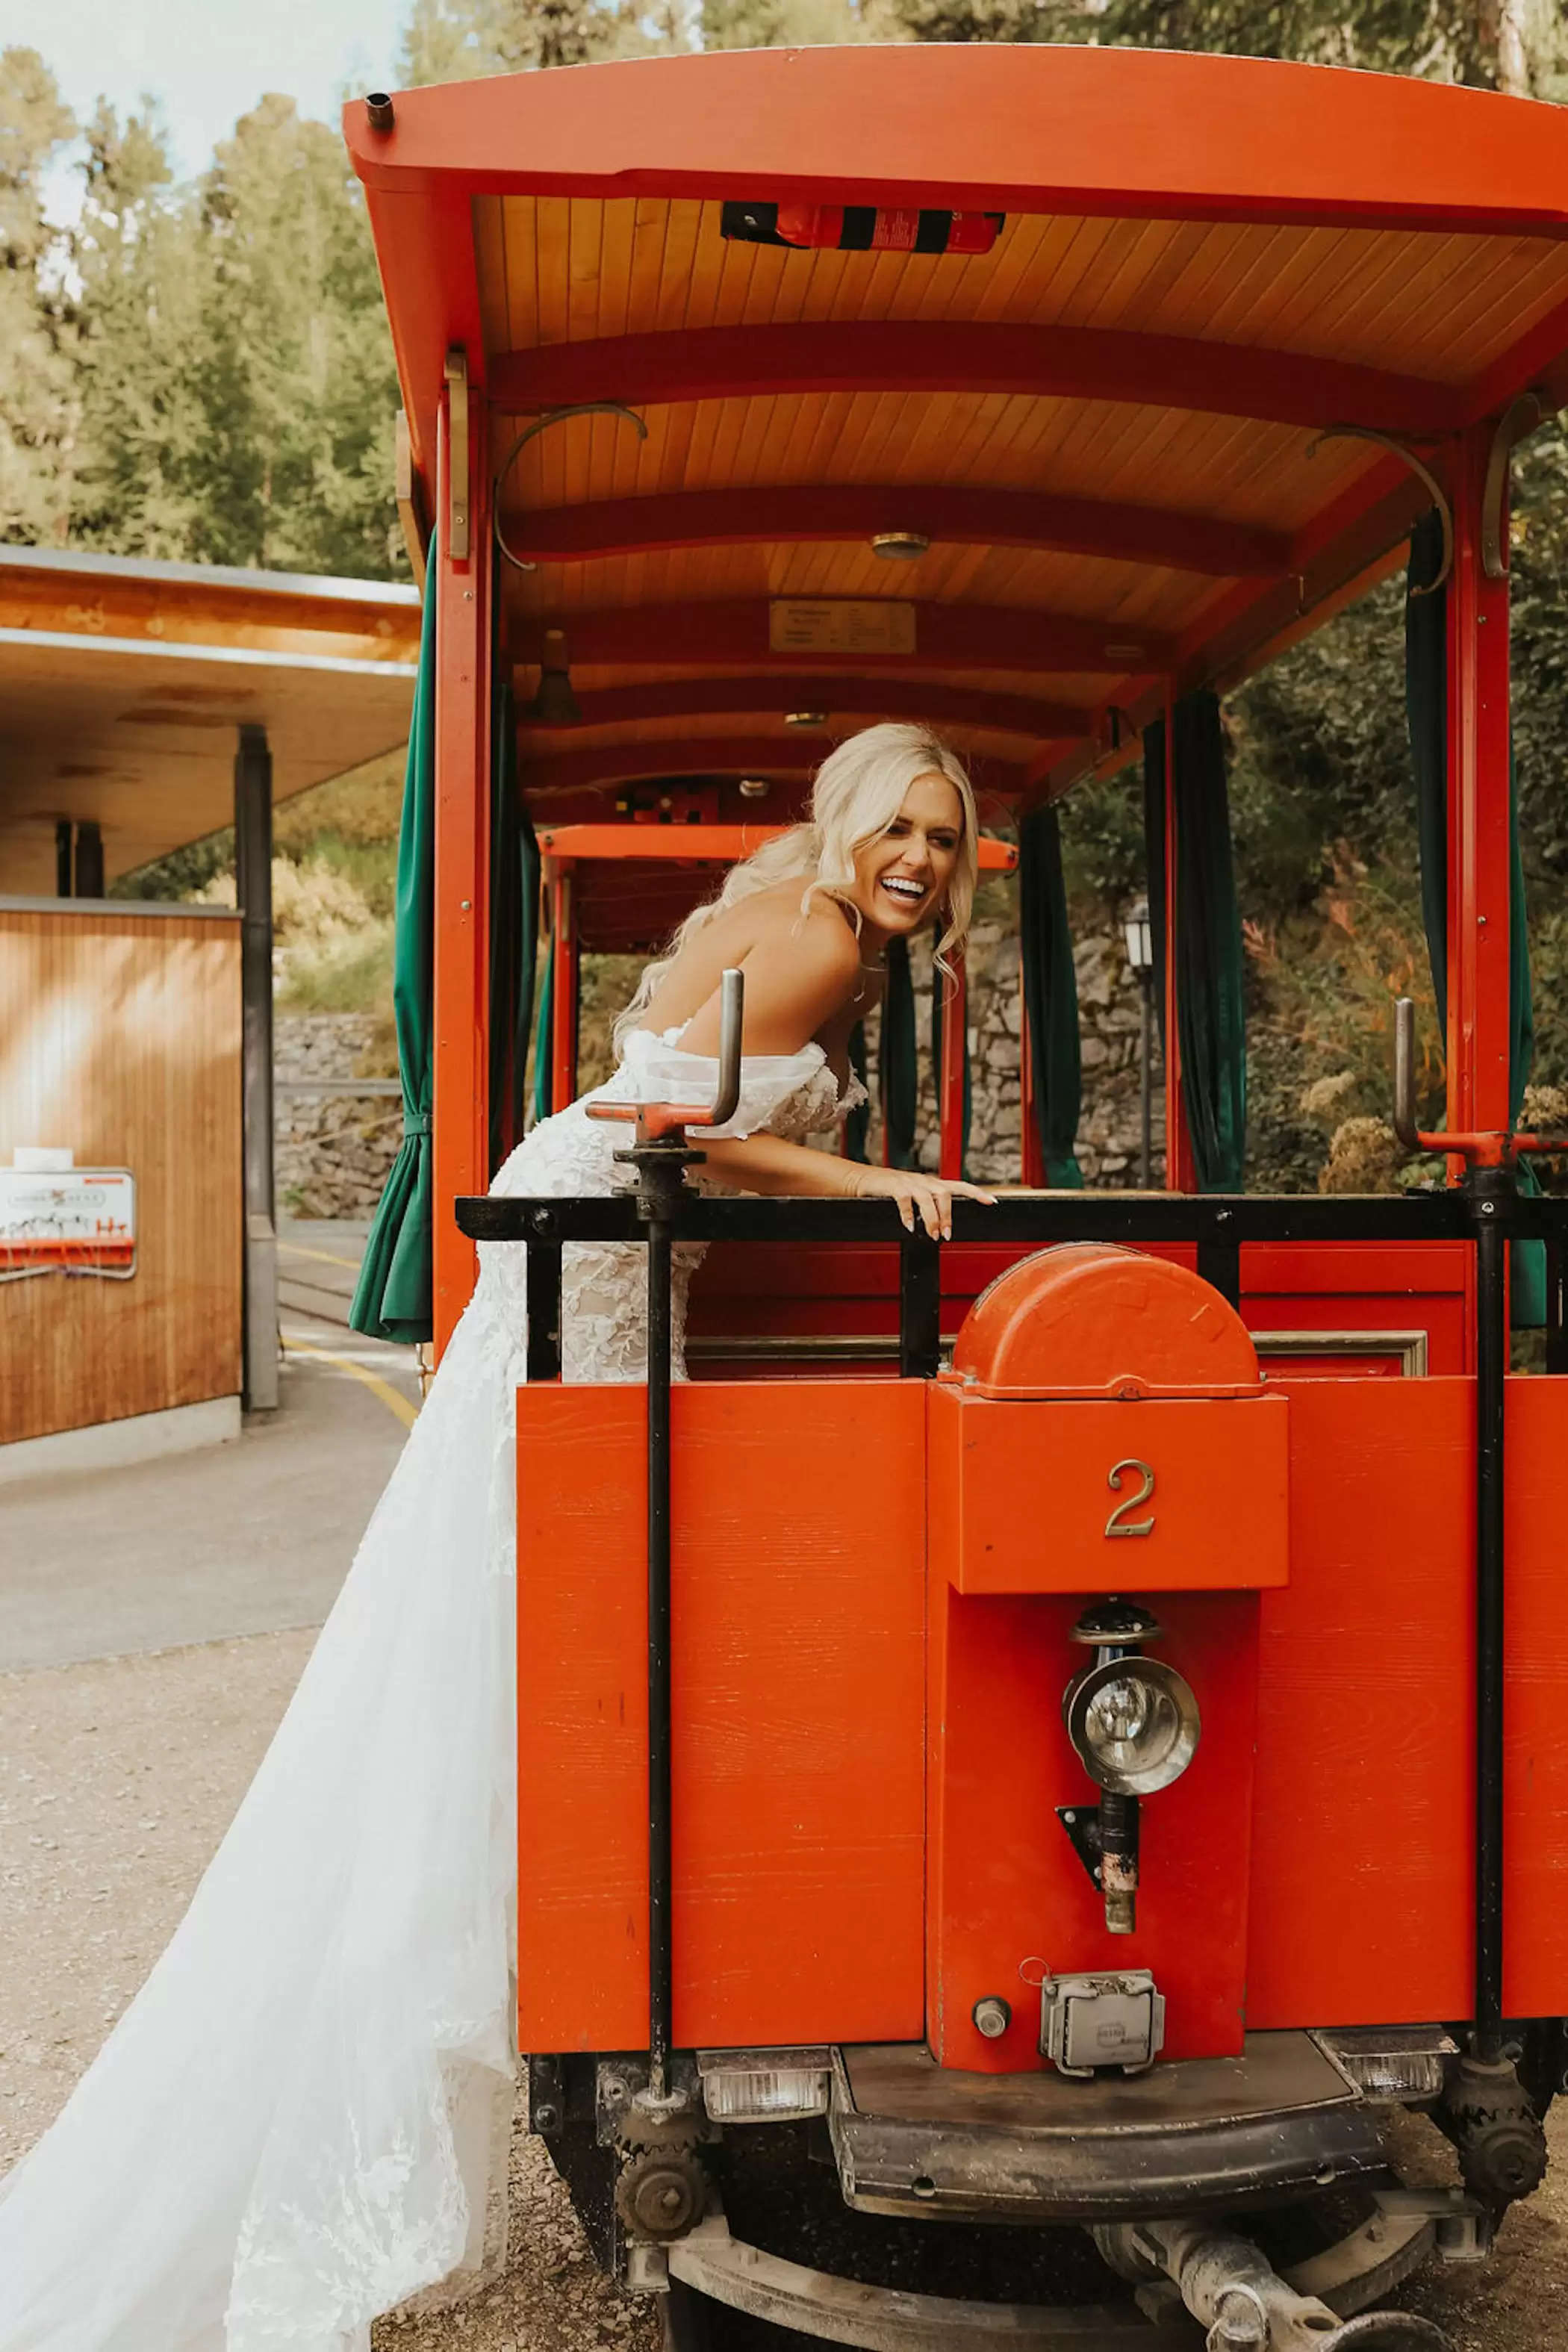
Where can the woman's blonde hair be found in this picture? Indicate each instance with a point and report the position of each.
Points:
(858, 793)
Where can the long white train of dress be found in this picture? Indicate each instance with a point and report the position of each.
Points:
(298, 2122)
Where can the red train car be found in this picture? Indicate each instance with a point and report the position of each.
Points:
(1134, 1792)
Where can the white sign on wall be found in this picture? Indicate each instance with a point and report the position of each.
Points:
(68, 1221)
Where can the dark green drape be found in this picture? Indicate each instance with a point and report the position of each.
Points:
(897, 1059)
(937, 986)
(1427, 714)
(514, 931)
(543, 1074)
(1050, 995)
(857, 1126)
(392, 1296)
(1155, 856)
(1211, 1018)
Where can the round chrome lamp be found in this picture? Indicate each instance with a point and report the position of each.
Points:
(1134, 1724)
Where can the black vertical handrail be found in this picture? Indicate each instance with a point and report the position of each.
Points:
(1490, 1190)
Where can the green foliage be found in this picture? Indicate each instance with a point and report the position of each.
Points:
(199, 373)
(457, 40)
(38, 403)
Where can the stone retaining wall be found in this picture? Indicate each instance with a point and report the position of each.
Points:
(333, 1152)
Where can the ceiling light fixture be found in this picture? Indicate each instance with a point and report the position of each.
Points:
(805, 718)
(900, 546)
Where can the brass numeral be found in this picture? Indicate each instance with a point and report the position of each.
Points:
(1118, 1524)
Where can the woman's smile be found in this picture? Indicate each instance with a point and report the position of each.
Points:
(900, 874)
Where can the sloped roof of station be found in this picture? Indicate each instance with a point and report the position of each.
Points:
(123, 684)
(1107, 426)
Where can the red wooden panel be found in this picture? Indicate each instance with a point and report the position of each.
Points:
(1215, 1511)
(1535, 1916)
(1009, 1899)
(799, 1603)
(1362, 1846)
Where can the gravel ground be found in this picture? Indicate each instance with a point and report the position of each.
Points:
(117, 1779)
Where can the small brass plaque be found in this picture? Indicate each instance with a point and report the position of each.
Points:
(840, 625)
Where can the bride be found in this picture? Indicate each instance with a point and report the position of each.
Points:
(301, 2120)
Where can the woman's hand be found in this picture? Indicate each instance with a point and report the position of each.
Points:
(930, 1197)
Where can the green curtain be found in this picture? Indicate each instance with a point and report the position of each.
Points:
(514, 931)
(1427, 715)
(1155, 856)
(393, 1297)
(857, 1126)
(543, 1073)
(1211, 1018)
(1050, 995)
(897, 1063)
(937, 990)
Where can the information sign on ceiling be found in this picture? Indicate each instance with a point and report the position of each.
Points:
(68, 1221)
(840, 625)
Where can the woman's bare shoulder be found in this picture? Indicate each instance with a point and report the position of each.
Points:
(819, 930)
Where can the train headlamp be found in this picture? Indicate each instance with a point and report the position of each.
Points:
(1134, 1724)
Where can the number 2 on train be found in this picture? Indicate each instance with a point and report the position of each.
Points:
(1118, 1524)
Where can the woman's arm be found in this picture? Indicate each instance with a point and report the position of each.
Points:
(766, 1163)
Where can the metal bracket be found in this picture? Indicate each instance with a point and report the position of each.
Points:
(1081, 1824)
(457, 453)
(1520, 417)
(1423, 473)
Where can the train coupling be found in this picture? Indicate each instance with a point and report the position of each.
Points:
(1232, 2289)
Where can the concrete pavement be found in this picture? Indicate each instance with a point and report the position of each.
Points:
(254, 1537)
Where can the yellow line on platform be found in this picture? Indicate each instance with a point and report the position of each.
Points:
(297, 1249)
(382, 1389)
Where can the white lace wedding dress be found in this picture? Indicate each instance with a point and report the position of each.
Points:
(301, 2119)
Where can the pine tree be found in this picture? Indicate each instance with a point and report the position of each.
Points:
(38, 397)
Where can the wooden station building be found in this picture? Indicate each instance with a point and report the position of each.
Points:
(142, 707)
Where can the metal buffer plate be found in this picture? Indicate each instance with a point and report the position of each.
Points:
(911, 2137)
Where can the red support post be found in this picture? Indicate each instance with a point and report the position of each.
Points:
(1479, 849)
(462, 1120)
(950, 1077)
(563, 984)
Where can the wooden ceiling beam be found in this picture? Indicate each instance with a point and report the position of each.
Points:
(847, 355)
(861, 697)
(947, 515)
(737, 634)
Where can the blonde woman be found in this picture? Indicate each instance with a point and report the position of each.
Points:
(302, 2119)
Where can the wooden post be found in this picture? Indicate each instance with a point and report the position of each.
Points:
(1479, 847)
(950, 1077)
(461, 1120)
(253, 894)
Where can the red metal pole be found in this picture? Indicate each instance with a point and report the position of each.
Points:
(564, 985)
(950, 1077)
(1479, 850)
(460, 1123)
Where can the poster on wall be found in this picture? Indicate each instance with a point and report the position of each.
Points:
(68, 1221)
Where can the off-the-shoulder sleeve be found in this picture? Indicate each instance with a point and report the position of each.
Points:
(660, 1073)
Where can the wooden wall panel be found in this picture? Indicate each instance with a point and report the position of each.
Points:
(120, 1035)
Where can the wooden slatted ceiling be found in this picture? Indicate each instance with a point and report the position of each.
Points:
(555, 270)
(558, 269)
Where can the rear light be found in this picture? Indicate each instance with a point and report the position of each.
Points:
(765, 2086)
(861, 228)
(1391, 2061)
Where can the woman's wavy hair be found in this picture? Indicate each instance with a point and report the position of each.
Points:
(858, 791)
